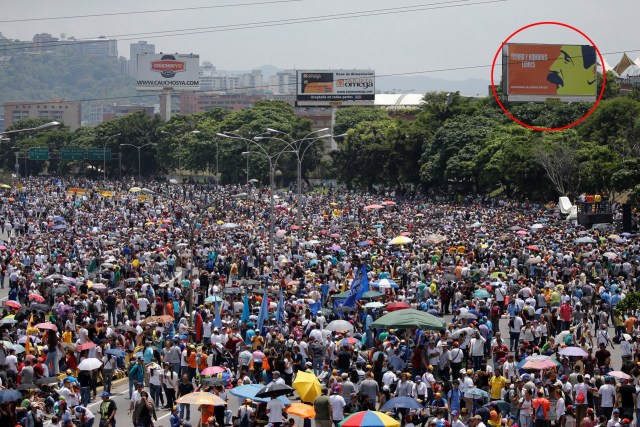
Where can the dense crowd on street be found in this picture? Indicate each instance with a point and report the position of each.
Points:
(164, 286)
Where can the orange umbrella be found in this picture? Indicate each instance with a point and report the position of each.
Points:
(301, 410)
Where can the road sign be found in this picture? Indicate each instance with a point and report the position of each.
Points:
(98, 154)
(39, 153)
(72, 153)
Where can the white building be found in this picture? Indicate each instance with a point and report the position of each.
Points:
(283, 83)
(134, 49)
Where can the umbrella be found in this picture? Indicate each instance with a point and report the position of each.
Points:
(36, 297)
(89, 364)
(115, 352)
(85, 346)
(365, 243)
(307, 386)
(476, 393)
(158, 319)
(277, 389)
(385, 284)
(403, 402)
(537, 226)
(532, 248)
(301, 410)
(374, 206)
(533, 260)
(13, 304)
(248, 391)
(98, 287)
(398, 305)
(481, 293)
(212, 370)
(348, 341)
(515, 228)
(467, 315)
(400, 240)
(201, 398)
(573, 351)
(585, 240)
(229, 225)
(369, 419)
(366, 295)
(619, 374)
(135, 190)
(47, 380)
(213, 381)
(47, 325)
(10, 395)
(539, 364)
(213, 298)
(460, 331)
(373, 304)
(610, 255)
(9, 320)
(339, 326)
(409, 319)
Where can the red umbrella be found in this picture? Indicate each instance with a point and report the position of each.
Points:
(295, 227)
(13, 304)
(47, 325)
(85, 346)
(36, 298)
(398, 305)
(532, 248)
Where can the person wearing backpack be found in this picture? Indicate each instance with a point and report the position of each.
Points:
(541, 407)
(580, 391)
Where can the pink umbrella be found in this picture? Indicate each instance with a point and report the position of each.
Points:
(573, 351)
(13, 304)
(521, 232)
(212, 370)
(539, 364)
(47, 325)
(334, 235)
(619, 374)
(3, 248)
(36, 298)
(335, 247)
(369, 207)
(389, 203)
(85, 346)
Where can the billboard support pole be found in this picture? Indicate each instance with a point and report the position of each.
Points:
(167, 103)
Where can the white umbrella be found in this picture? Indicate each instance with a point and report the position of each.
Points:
(457, 333)
(610, 255)
(339, 326)
(537, 226)
(373, 304)
(89, 364)
(534, 260)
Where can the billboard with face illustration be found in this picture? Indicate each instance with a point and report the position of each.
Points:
(541, 72)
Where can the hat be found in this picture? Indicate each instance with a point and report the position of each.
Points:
(563, 378)
(454, 413)
(462, 372)
(469, 372)
(616, 410)
(587, 377)
(477, 417)
(309, 364)
(275, 373)
(337, 389)
(105, 394)
(418, 378)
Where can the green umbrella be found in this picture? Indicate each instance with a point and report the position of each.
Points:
(409, 319)
(481, 293)
(366, 295)
(498, 274)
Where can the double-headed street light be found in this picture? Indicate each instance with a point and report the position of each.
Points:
(46, 126)
(104, 155)
(140, 147)
(180, 139)
(196, 132)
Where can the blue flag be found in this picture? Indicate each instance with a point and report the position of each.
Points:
(280, 310)
(264, 310)
(315, 307)
(359, 286)
(337, 304)
(245, 310)
(217, 322)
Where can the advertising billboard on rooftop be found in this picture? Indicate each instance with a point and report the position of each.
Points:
(325, 86)
(175, 71)
(541, 72)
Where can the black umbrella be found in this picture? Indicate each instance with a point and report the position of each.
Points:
(10, 395)
(27, 386)
(212, 382)
(47, 380)
(43, 307)
(231, 290)
(126, 328)
(277, 389)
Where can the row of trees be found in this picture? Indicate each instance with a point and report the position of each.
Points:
(450, 143)
(189, 143)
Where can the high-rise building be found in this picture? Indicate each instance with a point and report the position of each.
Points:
(44, 42)
(66, 112)
(101, 46)
(283, 83)
(251, 82)
(134, 49)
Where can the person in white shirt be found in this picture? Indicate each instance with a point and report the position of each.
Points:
(275, 408)
(477, 350)
(337, 405)
(607, 392)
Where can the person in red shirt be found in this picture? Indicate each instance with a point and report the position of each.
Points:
(566, 315)
(499, 351)
(541, 407)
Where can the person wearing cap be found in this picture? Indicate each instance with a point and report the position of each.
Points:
(107, 411)
(338, 404)
(84, 415)
(185, 387)
(607, 392)
(176, 420)
(476, 421)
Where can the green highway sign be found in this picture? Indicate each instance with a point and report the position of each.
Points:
(39, 153)
(98, 154)
(72, 153)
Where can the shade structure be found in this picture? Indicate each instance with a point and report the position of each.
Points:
(89, 364)
(249, 391)
(201, 398)
(400, 240)
(619, 374)
(573, 351)
(403, 402)
(369, 419)
(398, 305)
(409, 319)
(301, 410)
(307, 386)
(339, 326)
(277, 389)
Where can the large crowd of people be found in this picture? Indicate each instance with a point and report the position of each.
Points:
(164, 284)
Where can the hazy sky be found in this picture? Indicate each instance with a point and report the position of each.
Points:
(445, 37)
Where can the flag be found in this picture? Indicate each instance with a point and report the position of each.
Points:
(359, 286)
(315, 307)
(280, 309)
(264, 310)
(337, 304)
(217, 322)
(245, 310)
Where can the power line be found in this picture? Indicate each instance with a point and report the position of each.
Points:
(182, 9)
(406, 73)
(273, 23)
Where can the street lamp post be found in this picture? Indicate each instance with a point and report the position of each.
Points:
(47, 126)
(217, 158)
(139, 148)
(247, 142)
(104, 155)
(272, 158)
(300, 149)
(180, 138)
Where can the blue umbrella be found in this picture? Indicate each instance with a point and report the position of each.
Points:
(249, 391)
(10, 395)
(476, 393)
(59, 227)
(403, 402)
(115, 352)
(364, 243)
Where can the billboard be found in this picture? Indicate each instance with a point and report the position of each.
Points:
(541, 72)
(176, 71)
(325, 87)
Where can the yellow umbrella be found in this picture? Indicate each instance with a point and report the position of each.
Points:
(200, 398)
(220, 222)
(135, 190)
(5, 186)
(400, 240)
(307, 386)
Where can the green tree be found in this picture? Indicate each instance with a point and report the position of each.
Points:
(349, 117)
